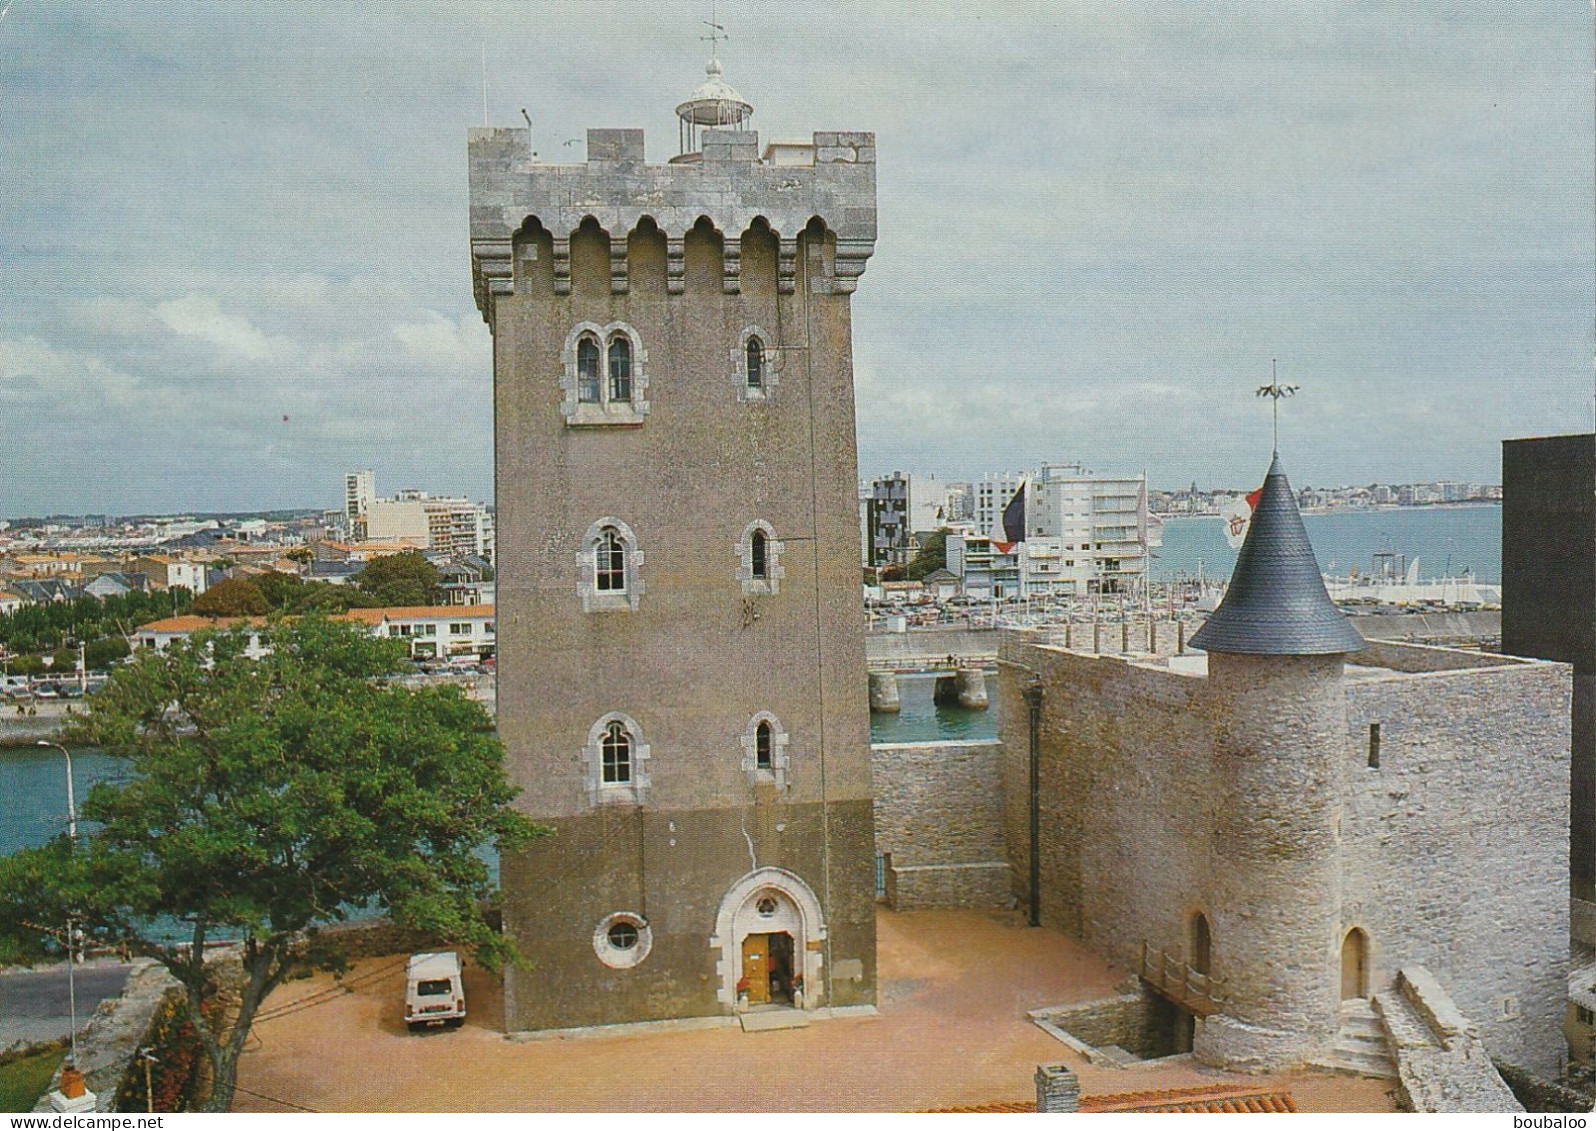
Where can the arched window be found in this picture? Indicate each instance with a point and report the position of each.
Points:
(764, 746)
(759, 564)
(609, 567)
(759, 568)
(620, 368)
(617, 753)
(615, 761)
(756, 364)
(587, 370)
(609, 562)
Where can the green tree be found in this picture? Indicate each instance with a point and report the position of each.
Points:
(401, 579)
(932, 556)
(267, 798)
(235, 597)
(104, 652)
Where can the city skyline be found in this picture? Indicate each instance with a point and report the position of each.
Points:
(233, 260)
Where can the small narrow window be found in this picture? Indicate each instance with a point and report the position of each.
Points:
(620, 368)
(756, 364)
(763, 743)
(587, 371)
(759, 567)
(617, 752)
(1374, 746)
(610, 562)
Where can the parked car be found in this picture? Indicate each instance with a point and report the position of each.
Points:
(434, 994)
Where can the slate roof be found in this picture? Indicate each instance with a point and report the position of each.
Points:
(1276, 604)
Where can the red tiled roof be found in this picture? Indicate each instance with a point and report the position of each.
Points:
(1211, 1098)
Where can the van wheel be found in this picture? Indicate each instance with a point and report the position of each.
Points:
(415, 1026)
(455, 1022)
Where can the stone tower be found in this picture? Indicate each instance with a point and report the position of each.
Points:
(681, 673)
(1276, 651)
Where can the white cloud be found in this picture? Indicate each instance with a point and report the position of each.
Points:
(200, 316)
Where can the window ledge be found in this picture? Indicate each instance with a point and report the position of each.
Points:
(609, 603)
(606, 416)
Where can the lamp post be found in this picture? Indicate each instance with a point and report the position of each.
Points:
(72, 941)
(72, 807)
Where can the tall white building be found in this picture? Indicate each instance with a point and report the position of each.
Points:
(1084, 533)
(992, 494)
(360, 491)
(448, 524)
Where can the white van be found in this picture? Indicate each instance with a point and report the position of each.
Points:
(434, 994)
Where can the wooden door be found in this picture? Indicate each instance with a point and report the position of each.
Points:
(756, 968)
(1354, 965)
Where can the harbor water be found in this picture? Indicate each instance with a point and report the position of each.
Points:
(1450, 540)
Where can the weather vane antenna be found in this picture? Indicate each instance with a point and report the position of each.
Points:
(1275, 390)
(716, 31)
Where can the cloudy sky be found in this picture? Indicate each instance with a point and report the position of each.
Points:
(233, 257)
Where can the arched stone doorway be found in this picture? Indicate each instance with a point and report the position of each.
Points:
(769, 932)
(1355, 965)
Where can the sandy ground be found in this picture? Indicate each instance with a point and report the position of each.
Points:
(952, 1031)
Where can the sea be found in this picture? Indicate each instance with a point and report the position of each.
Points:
(1446, 540)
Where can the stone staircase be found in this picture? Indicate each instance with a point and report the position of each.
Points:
(1360, 1048)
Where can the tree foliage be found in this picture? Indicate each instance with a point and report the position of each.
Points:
(235, 597)
(932, 556)
(37, 628)
(401, 579)
(267, 798)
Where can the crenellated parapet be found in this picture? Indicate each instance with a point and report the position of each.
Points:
(825, 187)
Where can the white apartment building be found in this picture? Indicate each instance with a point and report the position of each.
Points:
(360, 491)
(448, 524)
(992, 494)
(1085, 533)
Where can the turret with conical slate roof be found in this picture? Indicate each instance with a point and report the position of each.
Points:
(1277, 604)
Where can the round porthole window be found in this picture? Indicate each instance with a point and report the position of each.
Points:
(766, 906)
(622, 940)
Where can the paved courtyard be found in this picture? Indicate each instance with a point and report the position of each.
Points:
(952, 1031)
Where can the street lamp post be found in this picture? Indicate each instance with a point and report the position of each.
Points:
(72, 941)
(72, 807)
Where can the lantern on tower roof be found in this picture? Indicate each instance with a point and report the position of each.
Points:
(714, 105)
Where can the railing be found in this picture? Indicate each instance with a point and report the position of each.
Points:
(1190, 989)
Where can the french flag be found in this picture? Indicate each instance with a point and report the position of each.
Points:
(1011, 532)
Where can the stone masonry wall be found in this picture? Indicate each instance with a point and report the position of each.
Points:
(939, 817)
(1453, 853)
(1456, 846)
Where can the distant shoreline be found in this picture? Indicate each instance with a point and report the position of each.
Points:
(1306, 511)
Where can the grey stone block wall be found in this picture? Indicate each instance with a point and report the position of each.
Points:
(1455, 849)
(1167, 793)
(939, 817)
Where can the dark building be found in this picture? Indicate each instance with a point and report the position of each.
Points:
(1549, 599)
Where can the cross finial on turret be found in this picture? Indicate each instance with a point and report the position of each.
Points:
(1275, 390)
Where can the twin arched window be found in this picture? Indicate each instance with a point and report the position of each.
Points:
(591, 388)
